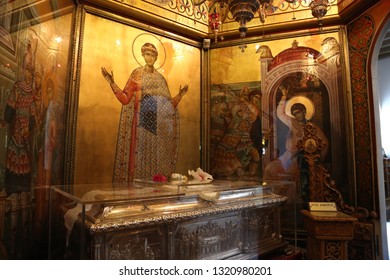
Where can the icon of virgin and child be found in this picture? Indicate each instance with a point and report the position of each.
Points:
(148, 134)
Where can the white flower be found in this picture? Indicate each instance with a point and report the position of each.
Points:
(194, 175)
(200, 175)
(204, 175)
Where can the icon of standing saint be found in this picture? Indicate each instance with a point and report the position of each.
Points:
(148, 135)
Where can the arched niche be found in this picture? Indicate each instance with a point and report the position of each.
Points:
(328, 72)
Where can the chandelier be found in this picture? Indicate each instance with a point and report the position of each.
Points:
(243, 11)
(319, 8)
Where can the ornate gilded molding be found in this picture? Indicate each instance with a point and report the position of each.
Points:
(176, 16)
(73, 96)
(208, 209)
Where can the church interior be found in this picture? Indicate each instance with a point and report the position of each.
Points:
(194, 129)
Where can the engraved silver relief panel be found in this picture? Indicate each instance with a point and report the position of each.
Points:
(139, 244)
(209, 238)
(263, 227)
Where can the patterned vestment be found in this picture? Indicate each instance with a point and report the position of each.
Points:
(156, 131)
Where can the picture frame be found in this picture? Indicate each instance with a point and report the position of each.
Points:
(94, 111)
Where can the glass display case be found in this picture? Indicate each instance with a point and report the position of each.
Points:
(174, 220)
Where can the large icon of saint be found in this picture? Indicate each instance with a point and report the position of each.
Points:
(148, 135)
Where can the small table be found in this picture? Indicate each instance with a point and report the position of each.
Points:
(328, 234)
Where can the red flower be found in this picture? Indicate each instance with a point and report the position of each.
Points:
(159, 178)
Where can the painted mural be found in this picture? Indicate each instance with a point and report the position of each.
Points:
(148, 133)
(34, 49)
(140, 116)
(235, 130)
(260, 102)
(297, 74)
